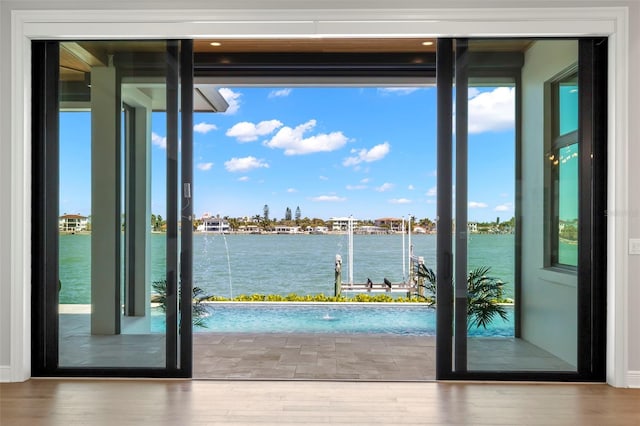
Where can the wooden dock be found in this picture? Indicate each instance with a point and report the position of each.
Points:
(378, 288)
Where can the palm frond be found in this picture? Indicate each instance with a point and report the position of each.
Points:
(199, 311)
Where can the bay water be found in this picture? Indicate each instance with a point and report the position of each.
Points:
(229, 265)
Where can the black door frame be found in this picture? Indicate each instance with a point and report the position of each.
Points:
(44, 222)
(451, 350)
(592, 263)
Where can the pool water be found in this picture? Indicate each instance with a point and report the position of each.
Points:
(395, 319)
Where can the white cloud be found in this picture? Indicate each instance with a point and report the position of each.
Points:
(159, 141)
(244, 164)
(376, 153)
(204, 128)
(432, 192)
(204, 166)
(329, 198)
(244, 179)
(365, 180)
(247, 132)
(504, 207)
(492, 111)
(323, 178)
(282, 93)
(472, 92)
(294, 143)
(232, 98)
(400, 201)
(291, 190)
(385, 187)
(398, 90)
(355, 187)
(477, 205)
(410, 187)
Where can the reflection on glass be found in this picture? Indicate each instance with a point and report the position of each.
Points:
(107, 258)
(506, 205)
(567, 164)
(568, 106)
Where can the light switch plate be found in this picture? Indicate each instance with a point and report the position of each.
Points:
(634, 245)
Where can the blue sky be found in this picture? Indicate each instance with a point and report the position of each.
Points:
(368, 152)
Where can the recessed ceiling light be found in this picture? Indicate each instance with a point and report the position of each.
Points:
(215, 43)
(427, 43)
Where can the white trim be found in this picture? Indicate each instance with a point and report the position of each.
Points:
(20, 203)
(618, 206)
(100, 24)
(633, 379)
(268, 23)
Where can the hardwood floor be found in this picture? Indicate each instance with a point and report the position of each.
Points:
(138, 402)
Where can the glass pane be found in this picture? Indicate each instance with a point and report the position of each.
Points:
(520, 316)
(568, 105)
(110, 310)
(568, 205)
(491, 243)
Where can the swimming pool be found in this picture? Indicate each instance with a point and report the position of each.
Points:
(348, 318)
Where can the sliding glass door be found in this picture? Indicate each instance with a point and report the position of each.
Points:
(521, 198)
(521, 209)
(112, 191)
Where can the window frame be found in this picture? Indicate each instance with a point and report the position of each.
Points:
(555, 142)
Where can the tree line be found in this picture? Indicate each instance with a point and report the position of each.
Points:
(294, 218)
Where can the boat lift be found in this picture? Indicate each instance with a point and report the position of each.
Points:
(411, 284)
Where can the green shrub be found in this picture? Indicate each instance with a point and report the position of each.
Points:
(321, 297)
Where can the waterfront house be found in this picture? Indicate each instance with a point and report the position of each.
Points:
(72, 223)
(317, 230)
(341, 224)
(371, 229)
(393, 224)
(214, 224)
(281, 229)
(249, 229)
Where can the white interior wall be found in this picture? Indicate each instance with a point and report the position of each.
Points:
(632, 296)
(383, 17)
(549, 298)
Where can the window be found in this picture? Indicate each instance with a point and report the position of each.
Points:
(563, 173)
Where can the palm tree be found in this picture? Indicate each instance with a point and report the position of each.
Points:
(483, 295)
(199, 310)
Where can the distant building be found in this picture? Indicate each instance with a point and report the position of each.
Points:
(369, 230)
(472, 227)
(390, 223)
(249, 229)
(316, 230)
(287, 229)
(214, 224)
(341, 223)
(72, 223)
